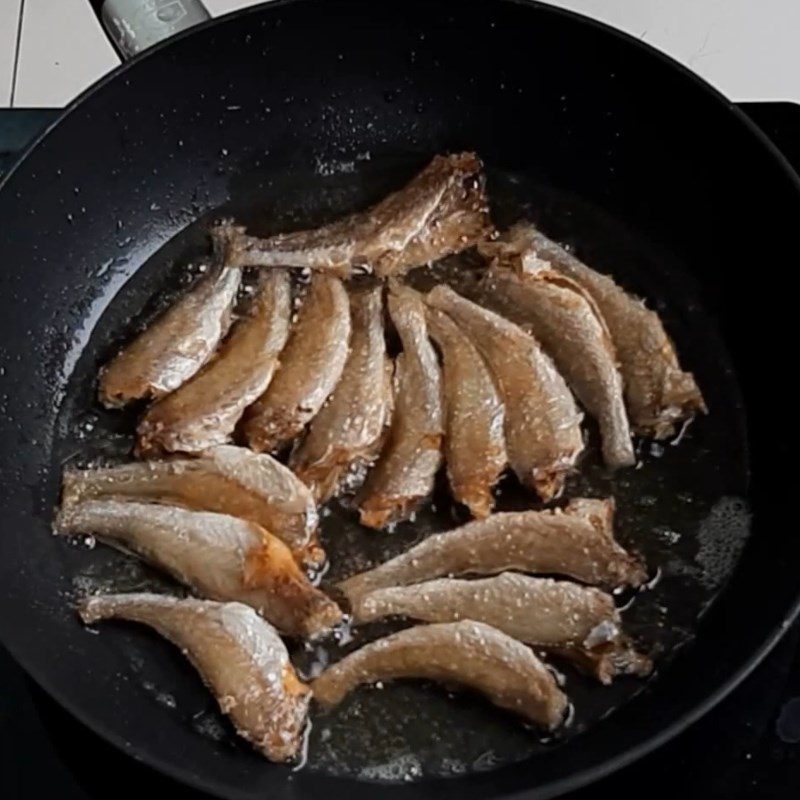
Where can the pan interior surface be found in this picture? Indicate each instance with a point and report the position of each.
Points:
(643, 170)
(683, 511)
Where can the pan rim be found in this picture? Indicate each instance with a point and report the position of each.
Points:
(571, 781)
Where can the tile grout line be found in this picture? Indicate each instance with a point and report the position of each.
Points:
(17, 50)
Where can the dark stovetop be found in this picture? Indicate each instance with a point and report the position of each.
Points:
(746, 748)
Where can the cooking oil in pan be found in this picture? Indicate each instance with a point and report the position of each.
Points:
(682, 506)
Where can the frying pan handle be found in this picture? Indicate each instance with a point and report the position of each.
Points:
(134, 25)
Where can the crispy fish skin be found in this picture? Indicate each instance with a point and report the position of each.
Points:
(403, 475)
(579, 622)
(542, 422)
(606, 661)
(442, 210)
(577, 542)
(474, 441)
(171, 350)
(349, 427)
(226, 479)
(537, 611)
(658, 393)
(205, 410)
(219, 556)
(238, 655)
(311, 365)
(467, 653)
(562, 316)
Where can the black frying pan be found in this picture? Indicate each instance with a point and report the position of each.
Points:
(270, 113)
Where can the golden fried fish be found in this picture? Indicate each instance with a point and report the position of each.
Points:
(469, 654)
(562, 316)
(403, 475)
(206, 409)
(218, 556)
(174, 347)
(474, 441)
(442, 210)
(239, 656)
(226, 479)
(658, 393)
(577, 542)
(310, 367)
(542, 422)
(579, 622)
(347, 431)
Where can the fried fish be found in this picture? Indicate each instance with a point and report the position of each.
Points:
(206, 409)
(658, 393)
(577, 542)
(218, 556)
(403, 475)
(347, 431)
(310, 367)
(238, 655)
(226, 479)
(542, 422)
(474, 441)
(174, 347)
(442, 210)
(578, 622)
(562, 316)
(469, 654)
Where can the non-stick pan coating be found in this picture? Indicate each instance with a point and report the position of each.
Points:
(293, 89)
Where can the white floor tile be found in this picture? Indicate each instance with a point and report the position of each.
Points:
(219, 7)
(747, 48)
(9, 23)
(62, 51)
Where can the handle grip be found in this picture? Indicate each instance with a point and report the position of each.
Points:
(135, 25)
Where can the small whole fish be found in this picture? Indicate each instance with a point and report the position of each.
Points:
(174, 347)
(171, 350)
(239, 656)
(542, 422)
(658, 393)
(442, 210)
(226, 479)
(474, 441)
(579, 622)
(467, 653)
(403, 475)
(218, 556)
(349, 429)
(564, 318)
(206, 409)
(310, 367)
(577, 542)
